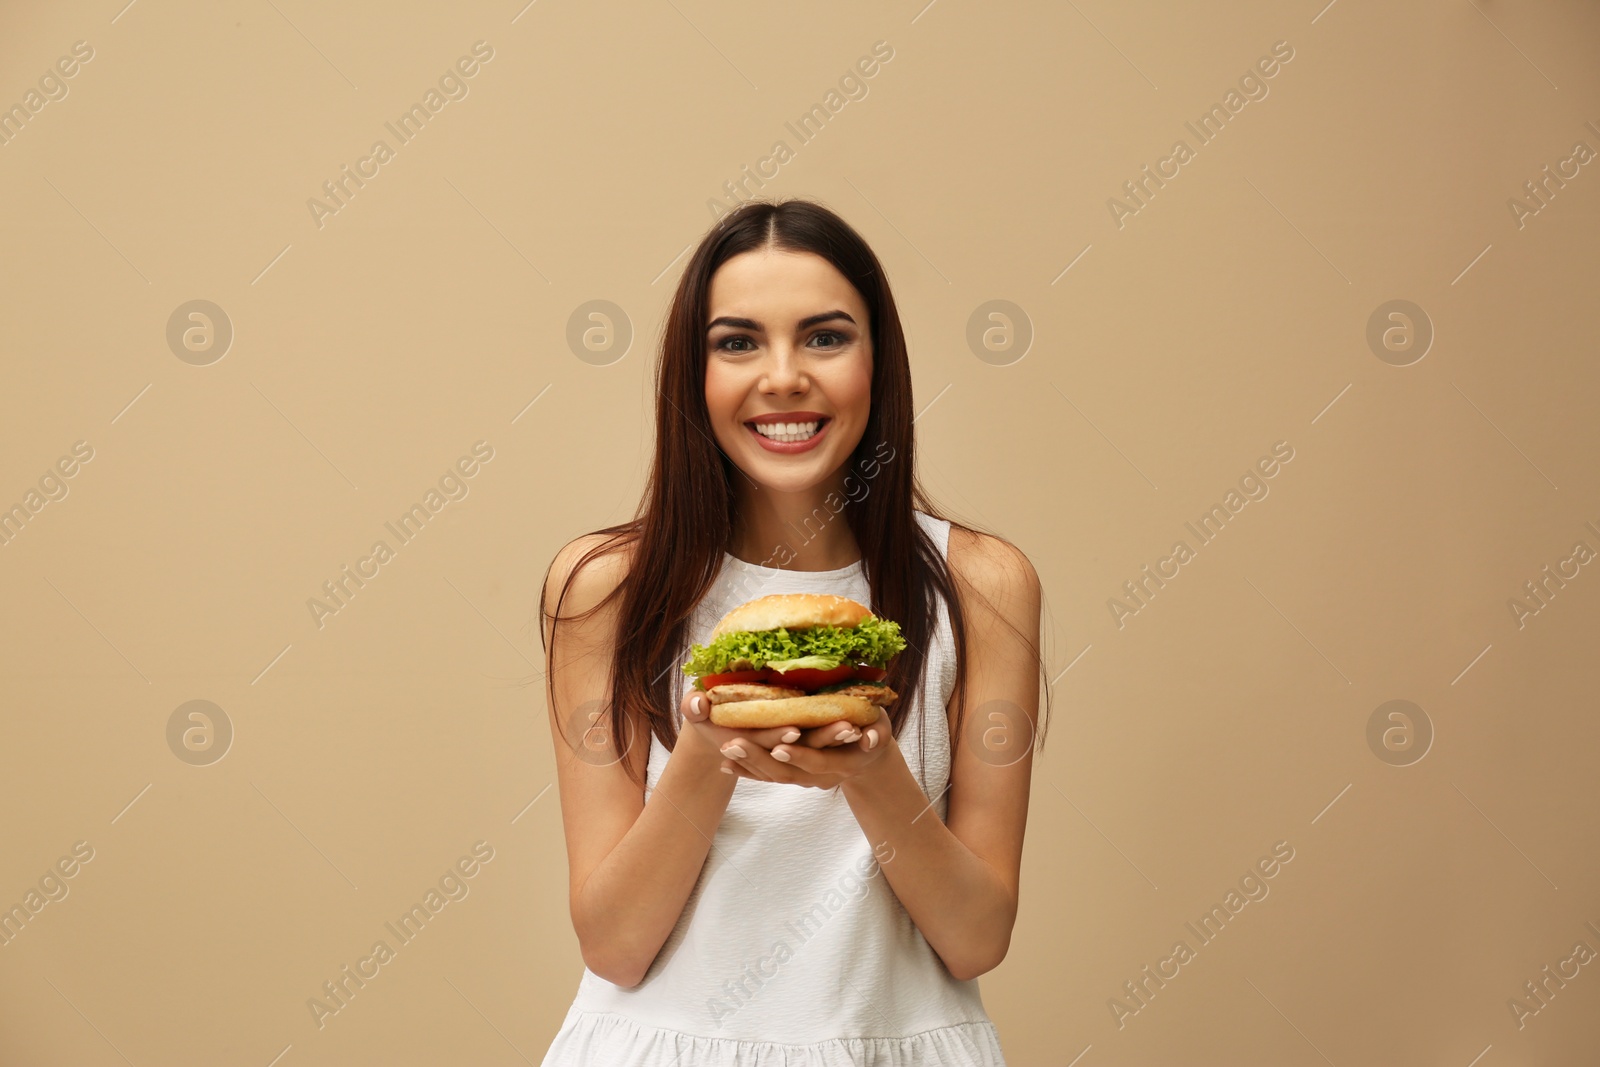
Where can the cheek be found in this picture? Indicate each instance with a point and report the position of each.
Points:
(854, 391)
(722, 397)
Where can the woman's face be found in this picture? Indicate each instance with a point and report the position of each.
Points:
(789, 336)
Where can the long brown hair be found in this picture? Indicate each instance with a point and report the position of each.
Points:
(677, 553)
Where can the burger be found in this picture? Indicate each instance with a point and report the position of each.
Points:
(796, 659)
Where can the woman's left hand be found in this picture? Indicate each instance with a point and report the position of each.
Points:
(816, 760)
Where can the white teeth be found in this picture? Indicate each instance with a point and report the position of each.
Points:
(788, 432)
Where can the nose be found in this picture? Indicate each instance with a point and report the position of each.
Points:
(782, 372)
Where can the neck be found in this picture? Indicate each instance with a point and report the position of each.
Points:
(795, 531)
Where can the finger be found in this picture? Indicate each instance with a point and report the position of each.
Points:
(771, 735)
(875, 733)
(733, 768)
(811, 767)
(834, 733)
(763, 737)
(738, 769)
(748, 756)
(758, 761)
(820, 736)
(695, 706)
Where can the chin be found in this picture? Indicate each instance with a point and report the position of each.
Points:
(790, 484)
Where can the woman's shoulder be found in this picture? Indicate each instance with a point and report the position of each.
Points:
(589, 567)
(990, 563)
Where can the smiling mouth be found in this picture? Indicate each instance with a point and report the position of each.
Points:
(790, 432)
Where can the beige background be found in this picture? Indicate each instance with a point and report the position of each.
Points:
(369, 353)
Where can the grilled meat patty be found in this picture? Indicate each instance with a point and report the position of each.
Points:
(880, 695)
(728, 694)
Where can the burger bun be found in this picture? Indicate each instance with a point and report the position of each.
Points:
(805, 713)
(795, 611)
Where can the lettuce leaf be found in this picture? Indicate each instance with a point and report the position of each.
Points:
(872, 642)
(820, 663)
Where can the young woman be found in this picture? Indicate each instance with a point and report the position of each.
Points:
(770, 898)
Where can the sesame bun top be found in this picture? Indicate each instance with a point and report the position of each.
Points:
(792, 611)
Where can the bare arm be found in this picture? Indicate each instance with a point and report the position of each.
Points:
(632, 864)
(626, 907)
(959, 879)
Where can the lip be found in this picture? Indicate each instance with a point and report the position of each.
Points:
(795, 446)
(789, 416)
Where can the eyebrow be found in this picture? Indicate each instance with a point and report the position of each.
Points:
(805, 323)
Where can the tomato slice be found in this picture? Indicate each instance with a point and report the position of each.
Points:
(871, 674)
(709, 681)
(810, 678)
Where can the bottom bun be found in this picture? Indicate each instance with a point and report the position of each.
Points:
(818, 709)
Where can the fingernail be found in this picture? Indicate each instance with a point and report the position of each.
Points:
(699, 703)
(851, 735)
(727, 770)
(780, 755)
(733, 752)
(872, 738)
(792, 735)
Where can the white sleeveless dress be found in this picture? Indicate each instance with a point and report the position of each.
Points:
(792, 949)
